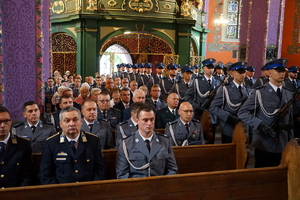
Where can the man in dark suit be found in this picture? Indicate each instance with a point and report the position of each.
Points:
(16, 167)
(34, 129)
(72, 155)
(98, 127)
(169, 113)
(64, 102)
(125, 100)
(259, 112)
(147, 153)
(229, 99)
(155, 103)
(138, 96)
(106, 113)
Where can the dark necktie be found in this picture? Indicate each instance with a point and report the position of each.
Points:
(240, 90)
(32, 128)
(155, 103)
(279, 93)
(137, 127)
(148, 145)
(172, 80)
(72, 144)
(104, 114)
(1, 149)
(90, 127)
(173, 112)
(187, 85)
(187, 127)
(209, 82)
(294, 83)
(50, 90)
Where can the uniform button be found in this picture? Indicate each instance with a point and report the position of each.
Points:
(75, 161)
(76, 171)
(88, 160)
(2, 163)
(2, 176)
(18, 164)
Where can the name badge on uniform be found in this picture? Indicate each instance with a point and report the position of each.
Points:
(113, 118)
(180, 133)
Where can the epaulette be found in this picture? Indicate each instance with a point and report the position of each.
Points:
(18, 124)
(127, 136)
(104, 120)
(122, 123)
(173, 122)
(195, 120)
(227, 84)
(160, 134)
(287, 89)
(22, 137)
(165, 77)
(91, 134)
(45, 122)
(259, 87)
(53, 135)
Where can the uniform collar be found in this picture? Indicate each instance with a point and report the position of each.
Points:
(6, 139)
(149, 138)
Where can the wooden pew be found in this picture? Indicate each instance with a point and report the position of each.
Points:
(190, 159)
(274, 183)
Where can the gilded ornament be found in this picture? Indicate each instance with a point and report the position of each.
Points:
(185, 8)
(91, 5)
(140, 5)
(167, 6)
(58, 7)
(112, 3)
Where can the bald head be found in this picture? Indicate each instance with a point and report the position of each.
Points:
(186, 112)
(172, 100)
(139, 96)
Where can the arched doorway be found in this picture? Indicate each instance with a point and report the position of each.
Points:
(139, 47)
(64, 53)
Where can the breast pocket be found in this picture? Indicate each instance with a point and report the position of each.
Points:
(61, 163)
(138, 159)
(271, 107)
(161, 158)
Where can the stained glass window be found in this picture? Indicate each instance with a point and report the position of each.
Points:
(234, 16)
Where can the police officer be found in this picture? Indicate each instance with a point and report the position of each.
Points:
(201, 86)
(98, 127)
(196, 71)
(155, 79)
(34, 129)
(249, 80)
(145, 78)
(182, 86)
(263, 79)
(259, 112)
(145, 153)
(129, 72)
(128, 127)
(218, 75)
(167, 83)
(118, 73)
(105, 112)
(15, 155)
(135, 73)
(72, 155)
(291, 82)
(185, 130)
(229, 99)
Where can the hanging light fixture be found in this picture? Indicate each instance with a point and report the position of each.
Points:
(221, 20)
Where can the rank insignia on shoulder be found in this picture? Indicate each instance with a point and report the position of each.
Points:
(195, 120)
(18, 125)
(259, 87)
(173, 122)
(160, 134)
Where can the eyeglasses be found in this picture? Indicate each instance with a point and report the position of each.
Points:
(187, 111)
(6, 121)
(104, 101)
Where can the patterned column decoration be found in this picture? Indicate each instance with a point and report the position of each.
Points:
(1, 61)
